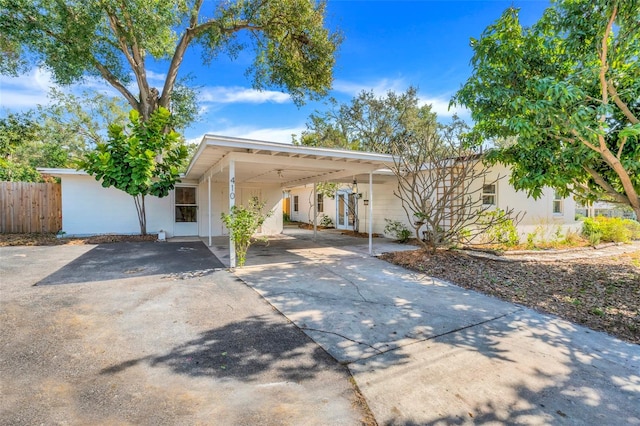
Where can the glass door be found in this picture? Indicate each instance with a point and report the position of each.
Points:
(186, 211)
(346, 206)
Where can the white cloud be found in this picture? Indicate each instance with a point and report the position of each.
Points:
(440, 105)
(275, 134)
(156, 77)
(379, 88)
(26, 91)
(237, 94)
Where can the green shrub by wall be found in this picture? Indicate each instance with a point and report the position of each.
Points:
(610, 229)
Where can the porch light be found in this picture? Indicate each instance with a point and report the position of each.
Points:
(366, 202)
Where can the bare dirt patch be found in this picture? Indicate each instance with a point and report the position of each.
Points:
(49, 239)
(602, 293)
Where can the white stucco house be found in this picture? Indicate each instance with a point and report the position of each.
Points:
(225, 171)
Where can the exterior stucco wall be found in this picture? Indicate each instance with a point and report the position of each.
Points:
(90, 209)
(385, 205)
(535, 213)
(305, 205)
(271, 194)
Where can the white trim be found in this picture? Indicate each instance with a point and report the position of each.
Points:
(232, 202)
(370, 214)
(61, 172)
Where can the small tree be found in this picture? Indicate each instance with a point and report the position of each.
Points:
(242, 222)
(142, 160)
(440, 185)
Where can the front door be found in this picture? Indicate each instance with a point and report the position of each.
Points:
(345, 210)
(186, 211)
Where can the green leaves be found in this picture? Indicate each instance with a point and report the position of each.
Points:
(242, 222)
(113, 40)
(142, 159)
(572, 105)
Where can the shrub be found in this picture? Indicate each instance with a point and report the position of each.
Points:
(610, 229)
(502, 231)
(572, 238)
(633, 227)
(242, 222)
(326, 221)
(397, 229)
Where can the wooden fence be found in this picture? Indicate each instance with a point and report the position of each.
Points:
(30, 207)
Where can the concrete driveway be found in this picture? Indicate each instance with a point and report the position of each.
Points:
(152, 334)
(423, 351)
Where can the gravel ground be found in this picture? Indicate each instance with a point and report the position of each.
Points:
(598, 290)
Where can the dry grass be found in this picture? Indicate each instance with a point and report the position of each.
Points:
(52, 240)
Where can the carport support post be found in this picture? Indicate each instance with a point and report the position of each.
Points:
(370, 213)
(315, 211)
(209, 206)
(232, 202)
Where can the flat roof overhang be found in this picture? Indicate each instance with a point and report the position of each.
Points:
(260, 162)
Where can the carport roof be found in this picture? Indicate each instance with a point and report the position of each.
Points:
(261, 162)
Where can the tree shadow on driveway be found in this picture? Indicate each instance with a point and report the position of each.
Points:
(243, 350)
(136, 259)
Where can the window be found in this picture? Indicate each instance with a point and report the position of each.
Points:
(558, 202)
(489, 194)
(320, 203)
(295, 203)
(186, 207)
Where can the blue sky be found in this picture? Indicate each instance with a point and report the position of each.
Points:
(388, 45)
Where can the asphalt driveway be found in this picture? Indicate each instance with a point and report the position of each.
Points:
(152, 333)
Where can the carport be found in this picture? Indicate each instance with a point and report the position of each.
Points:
(229, 164)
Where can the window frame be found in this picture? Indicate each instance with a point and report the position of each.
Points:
(320, 203)
(296, 200)
(558, 204)
(493, 194)
(183, 207)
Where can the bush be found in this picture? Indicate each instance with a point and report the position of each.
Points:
(610, 229)
(633, 227)
(326, 221)
(397, 229)
(501, 231)
(242, 223)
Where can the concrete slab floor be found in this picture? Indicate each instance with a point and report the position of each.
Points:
(424, 351)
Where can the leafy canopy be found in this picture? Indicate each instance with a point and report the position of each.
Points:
(566, 93)
(368, 122)
(115, 40)
(31, 140)
(143, 159)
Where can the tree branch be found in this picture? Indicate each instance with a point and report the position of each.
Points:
(189, 34)
(621, 104)
(610, 190)
(113, 80)
(604, 67)
(586, 142)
